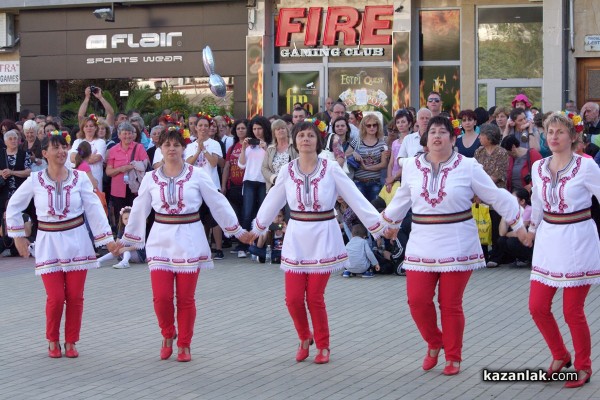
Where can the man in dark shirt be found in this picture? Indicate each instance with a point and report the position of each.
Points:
(591, 116)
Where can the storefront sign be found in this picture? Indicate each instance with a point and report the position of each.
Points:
(363, 89)
(9, 73)
(298, 87)
(592, 43)
(356, 29)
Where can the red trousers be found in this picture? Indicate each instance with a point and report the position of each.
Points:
(166, 284)
(64, 288)
(308, 290)
(420, 288)
(540, 307)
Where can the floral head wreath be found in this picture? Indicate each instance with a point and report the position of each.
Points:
(456, 126)
(92, 117)
(321, 125)
(228, 120)
(64, 134)
(125, 209)
(576, 119)
(206, 116)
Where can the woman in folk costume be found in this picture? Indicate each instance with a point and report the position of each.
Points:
(63, 251)
(567, 250)
(313, 248)
(443, 248)
(176, 191)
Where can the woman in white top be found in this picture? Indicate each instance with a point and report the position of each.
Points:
(567, 250)
(89, 132)
(313, 247)
(64, 252)
(177, 248)
(251, 159)
(444, 248)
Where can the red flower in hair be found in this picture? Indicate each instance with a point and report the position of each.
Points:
(92, 117)
(206, 116)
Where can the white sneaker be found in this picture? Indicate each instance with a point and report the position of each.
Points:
(241, 254)
(121, 265)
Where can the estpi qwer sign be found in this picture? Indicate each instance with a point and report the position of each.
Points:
(358, 29)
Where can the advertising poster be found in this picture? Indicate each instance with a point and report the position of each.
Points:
(365, 89)
(298, 87)
(444, 80)
(254, 76)
(400, 70)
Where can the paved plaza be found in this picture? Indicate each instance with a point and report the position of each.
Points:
(244, 343)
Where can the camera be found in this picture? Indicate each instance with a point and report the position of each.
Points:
(276, 227)
(253, 141)
(94, 89)
(525, 137)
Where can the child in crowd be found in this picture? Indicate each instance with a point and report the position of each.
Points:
(84, 151)
(127, 253)
(274, 238)
(510, 249)
(360, 255)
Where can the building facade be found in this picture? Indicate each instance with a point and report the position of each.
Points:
(372, 54)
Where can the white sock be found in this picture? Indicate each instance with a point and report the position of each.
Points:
(126, 257)
(106, 257)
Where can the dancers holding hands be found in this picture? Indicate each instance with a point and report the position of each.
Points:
(177, 248)
(567, 248)
(443, 248)
(63, 249)
(313, 246)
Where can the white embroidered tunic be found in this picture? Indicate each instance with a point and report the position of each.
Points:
(446, 247)
(67, 250)
(565, 255)
(177, 247)
(311, 246)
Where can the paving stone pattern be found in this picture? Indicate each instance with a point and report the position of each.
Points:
(244, 342)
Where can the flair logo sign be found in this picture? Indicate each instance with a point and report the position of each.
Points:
(132, 41)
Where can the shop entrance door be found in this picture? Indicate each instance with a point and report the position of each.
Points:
(501, 92)
(588, 80)
(8, 106)
(298, 84)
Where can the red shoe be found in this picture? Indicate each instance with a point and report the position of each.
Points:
(564, 363)
(56, 352)
(430, 361)
(302, 353)
(70, 350)
(182, 356)
(451, 369)
(322, 357)
(166, 351)
(579, 382)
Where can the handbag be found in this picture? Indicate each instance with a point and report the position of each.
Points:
(102, 198)
(135, 176)
(328, 154)
(351, 161)
(481, 214)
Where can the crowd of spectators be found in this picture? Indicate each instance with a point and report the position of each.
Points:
(244, 156)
